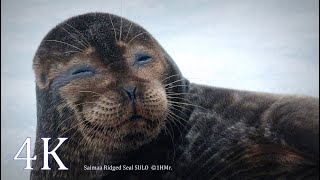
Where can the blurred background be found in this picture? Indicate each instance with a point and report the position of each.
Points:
(269, 46)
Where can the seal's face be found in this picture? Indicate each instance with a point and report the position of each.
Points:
(116, 81)
(122, 103)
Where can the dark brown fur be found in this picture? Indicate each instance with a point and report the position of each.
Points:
(202, 132)
(94, 111)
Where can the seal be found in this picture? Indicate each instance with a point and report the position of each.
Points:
(107, 85)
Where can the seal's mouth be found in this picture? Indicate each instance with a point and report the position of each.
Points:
(135, 117)
(112, 121)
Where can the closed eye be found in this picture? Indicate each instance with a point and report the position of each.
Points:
(83, 71)
(143, 59)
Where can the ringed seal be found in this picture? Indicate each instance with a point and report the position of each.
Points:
(106, 84)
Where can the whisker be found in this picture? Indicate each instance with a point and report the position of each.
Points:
(115, 35)
(173, 144)
(80, 42)
(72, 52)
(128, 32)
(61, 135)
(65, 120)
(71, 127)
(85, 39)
(52, 40)
(166, 85)
(81, 141)
(180, 85)
(70, 137)
(179, 106)
(171, 113)
(173, 107)
(93, 93)
(73, 107)
(136, 37)
(188, 104)
(174, 95)
(120, 23)
(170, 77)
(187, 100)
(96, 126)
(173, 119)
(182, 114)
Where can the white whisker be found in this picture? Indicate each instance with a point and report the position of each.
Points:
(136, 37)
(115, 35)
(52, 40)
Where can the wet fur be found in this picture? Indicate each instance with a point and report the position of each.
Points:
(203, 132)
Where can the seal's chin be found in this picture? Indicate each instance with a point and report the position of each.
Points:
(121, 129)
(130, 134)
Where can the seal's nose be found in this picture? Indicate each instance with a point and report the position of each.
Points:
(131, 92)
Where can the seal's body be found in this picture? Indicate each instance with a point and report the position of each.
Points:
(109, 87)
(248, 135)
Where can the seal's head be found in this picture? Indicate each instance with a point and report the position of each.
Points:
(106, 81)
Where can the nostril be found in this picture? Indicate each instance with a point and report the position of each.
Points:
(131, 92)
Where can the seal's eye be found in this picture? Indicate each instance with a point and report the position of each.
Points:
(142, 59)
(83, 71)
